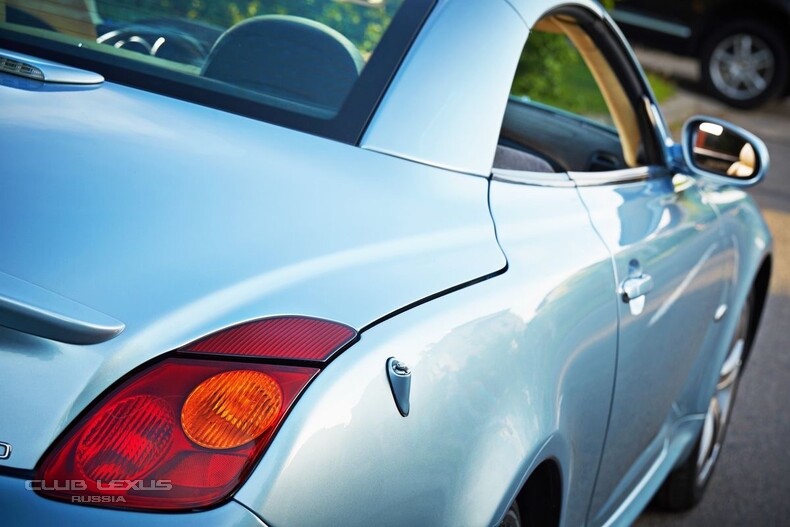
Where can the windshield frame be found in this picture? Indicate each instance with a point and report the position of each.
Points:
(347, 126)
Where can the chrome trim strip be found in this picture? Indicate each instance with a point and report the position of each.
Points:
(659, 125)
(646, 22)
(536, 179)
(611, 177)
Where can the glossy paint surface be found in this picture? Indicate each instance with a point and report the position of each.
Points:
(671, 234)
(178, 220)
(531, 11)
(453, 121)
(505, 374)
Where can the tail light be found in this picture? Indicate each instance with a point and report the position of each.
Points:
(185, 432)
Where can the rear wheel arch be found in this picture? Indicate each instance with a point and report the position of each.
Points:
(540, 498)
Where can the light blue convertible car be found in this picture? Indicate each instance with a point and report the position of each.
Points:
(360, 262)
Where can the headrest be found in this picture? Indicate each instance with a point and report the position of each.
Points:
(289, 57)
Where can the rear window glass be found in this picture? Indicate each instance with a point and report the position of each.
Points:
(314, 65)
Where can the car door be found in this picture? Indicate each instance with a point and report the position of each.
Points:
(670, 266)
(669, 263)
(666, 247)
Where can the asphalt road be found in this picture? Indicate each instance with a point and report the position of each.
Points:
(751, 484)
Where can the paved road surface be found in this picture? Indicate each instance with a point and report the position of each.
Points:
(751, 484)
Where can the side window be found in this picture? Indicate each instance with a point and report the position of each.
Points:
(553, 73)
(575, 104)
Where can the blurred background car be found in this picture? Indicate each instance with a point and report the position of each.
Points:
(742, 47)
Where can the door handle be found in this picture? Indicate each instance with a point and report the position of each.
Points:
(634, 287)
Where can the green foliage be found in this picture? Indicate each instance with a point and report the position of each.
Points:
(552, 71)
(663, 88)
(540, 72)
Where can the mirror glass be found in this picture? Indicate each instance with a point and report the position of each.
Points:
(718, 149)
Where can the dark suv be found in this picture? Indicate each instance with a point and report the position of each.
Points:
(742, 45)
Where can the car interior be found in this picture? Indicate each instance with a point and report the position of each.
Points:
(291, 62)
(306, 66)
(540, 136)
(289, 57)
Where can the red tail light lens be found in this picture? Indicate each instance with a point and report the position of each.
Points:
(110, 452)
(180, 435)
(186, 432)
(296, 338)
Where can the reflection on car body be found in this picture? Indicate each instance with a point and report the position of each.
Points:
(306, 263)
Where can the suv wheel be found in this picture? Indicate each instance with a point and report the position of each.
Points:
(744, 63)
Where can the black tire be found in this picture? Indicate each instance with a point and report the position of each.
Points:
(685, 486)
(512, 518)
(732, 81)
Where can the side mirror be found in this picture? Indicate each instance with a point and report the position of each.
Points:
(723, 152)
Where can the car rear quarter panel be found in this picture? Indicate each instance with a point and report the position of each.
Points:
(505, 374)
(180, 220)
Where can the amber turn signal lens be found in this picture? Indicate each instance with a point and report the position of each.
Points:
(231, 409)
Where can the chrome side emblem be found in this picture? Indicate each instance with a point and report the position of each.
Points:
(400, 382)
(5, 450)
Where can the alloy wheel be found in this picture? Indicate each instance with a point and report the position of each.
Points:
(742, 66)
(720, 407)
